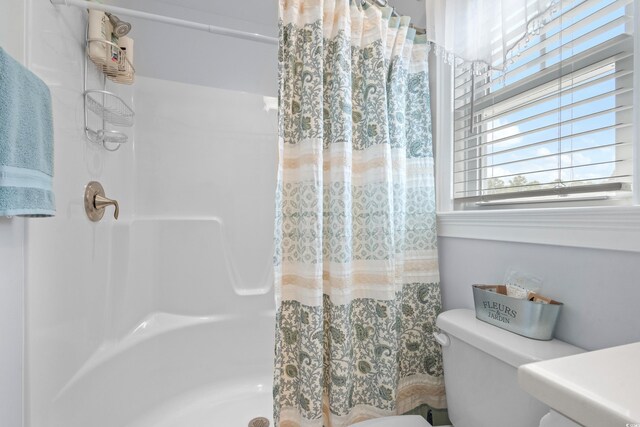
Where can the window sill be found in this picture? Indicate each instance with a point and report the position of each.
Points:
(611, 227)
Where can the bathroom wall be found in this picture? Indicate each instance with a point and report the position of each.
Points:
(12, 13)
(11, 321)
(599, 288)
(197, 57)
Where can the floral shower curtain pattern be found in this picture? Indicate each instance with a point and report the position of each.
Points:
(356, 268)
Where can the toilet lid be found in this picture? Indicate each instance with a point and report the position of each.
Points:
(399, 421)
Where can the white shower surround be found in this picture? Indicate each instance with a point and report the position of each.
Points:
(164, 317)
(180, 348)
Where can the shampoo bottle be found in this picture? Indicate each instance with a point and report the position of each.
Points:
(113, 61)
(125, 69)
(100, 29)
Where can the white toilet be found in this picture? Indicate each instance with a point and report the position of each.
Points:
(480, 373)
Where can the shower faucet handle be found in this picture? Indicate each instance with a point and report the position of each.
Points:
(95, 202)
(101, 202)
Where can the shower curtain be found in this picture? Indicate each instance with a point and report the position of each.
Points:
(356, 269)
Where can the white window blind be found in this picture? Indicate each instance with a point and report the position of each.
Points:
(559, 120)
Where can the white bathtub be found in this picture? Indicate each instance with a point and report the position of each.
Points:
(176, 371)
(182, 339)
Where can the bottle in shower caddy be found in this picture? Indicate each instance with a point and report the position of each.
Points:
(114, 54)
(100, 33)
(125, 68)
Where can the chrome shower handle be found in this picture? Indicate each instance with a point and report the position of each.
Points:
(101, 202)
(95, 202)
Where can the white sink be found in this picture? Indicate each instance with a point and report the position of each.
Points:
(597, 388)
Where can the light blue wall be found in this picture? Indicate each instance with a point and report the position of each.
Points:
(600, 289)
(11, 321)
(12, 30)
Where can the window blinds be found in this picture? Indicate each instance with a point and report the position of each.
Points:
(558, 120)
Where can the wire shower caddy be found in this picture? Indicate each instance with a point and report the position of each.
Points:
(110, 108)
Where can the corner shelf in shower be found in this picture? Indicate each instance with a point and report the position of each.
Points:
(109, 108)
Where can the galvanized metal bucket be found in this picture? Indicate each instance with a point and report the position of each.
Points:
(524, 317)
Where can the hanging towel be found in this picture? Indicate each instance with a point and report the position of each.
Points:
(26, 142)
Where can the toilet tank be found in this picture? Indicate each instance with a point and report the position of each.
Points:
(480, 371)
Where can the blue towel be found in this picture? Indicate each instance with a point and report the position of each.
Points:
(26, 142)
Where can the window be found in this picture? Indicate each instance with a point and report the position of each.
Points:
(557, 124)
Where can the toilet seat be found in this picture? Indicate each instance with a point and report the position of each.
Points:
(397, 421)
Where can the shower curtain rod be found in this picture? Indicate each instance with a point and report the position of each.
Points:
(168, 20)
(394, 12)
